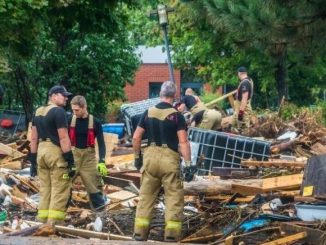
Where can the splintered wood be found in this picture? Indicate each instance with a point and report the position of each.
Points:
(274, 163)
(289, 182)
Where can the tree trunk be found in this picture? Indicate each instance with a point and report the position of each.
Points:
(23, 91)
(281, 72)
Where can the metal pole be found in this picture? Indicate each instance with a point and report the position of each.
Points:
(166, 41)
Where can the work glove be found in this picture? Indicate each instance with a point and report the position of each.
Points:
(101, 168)
(189, 172)
(69, 157)
(138, 161)
(33, 169)
(240, 115)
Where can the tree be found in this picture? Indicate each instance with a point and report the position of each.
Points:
(274, 30)
(60, 42)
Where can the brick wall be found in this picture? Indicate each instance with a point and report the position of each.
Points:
(149, 73)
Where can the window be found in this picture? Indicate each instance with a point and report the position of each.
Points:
(154, 89)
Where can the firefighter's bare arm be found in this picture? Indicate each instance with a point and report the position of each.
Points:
(184, 146)
(136, 144)
(136, 139)
(34, 140)
(65, 143)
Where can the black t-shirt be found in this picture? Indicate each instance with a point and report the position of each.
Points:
(244, 86)
(189, 100)
(171, 125)
(47, 126)
(81, 135)
(197, 118)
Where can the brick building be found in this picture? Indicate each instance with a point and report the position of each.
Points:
(151, 74)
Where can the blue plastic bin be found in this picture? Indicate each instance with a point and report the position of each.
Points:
(114, 128)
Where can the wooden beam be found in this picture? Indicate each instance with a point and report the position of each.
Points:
(86, 233)
(213, 102)
(287, 239)
(289, 182)
(226, 197)
(16, 155)
(274, 163)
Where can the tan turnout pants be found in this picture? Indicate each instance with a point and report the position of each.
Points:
(211, 120)
(161, 168)
(245, 123)
(85, 160)
(55, 191)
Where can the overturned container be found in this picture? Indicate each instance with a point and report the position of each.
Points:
(222, 150)
(132, 113)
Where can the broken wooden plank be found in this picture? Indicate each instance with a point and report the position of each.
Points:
(274, 163)
(226, 197)
(289, 182)
(121, 160)
(86, 233)
(13, 165)
(214, 185)
(287, 239)
(121, 196)
(318, 148)
(14, 154)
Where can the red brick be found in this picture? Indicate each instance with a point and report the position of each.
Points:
(149, 73)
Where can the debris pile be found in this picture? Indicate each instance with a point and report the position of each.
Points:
(276, 199)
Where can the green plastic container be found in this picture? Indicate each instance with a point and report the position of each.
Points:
(3, 216)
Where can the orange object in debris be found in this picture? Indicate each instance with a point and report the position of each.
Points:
(6, 123)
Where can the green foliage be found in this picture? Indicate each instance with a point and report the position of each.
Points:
(83, 45)
(208, 97)
(289, 111)
(279, 41)
(322, 107)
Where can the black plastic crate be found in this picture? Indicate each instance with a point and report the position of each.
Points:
(226, 150)
(132, 113)
(314, 181)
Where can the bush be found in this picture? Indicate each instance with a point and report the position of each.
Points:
(208, 97)
(113, 110)
(289, 111)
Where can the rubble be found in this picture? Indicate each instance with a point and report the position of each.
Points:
(250, 201)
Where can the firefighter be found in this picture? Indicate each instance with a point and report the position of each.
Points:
(189, 91)
(83, 130)
(242, 104)
(202, 117)
(51, 157)
(166, 129)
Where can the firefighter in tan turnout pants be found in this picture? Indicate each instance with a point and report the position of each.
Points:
(242, 104)
(83, 130)
(52, 157)
(167, 136)
(202, 117)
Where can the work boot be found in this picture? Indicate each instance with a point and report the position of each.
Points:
(172, 235)
(141, 235)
